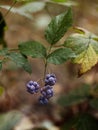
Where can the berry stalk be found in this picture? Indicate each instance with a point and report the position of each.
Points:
(45, 61)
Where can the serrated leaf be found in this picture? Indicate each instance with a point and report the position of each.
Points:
(61, 55)
(85, 48)
(1, 90)
(87, 59)
(20, 61)
(33, 49)
(27, 67)
(75, 96)
(58, 27)
(81, 122)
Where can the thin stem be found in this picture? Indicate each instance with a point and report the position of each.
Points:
(46, 63)
(49, 50)
(45, 68)
(8, 11)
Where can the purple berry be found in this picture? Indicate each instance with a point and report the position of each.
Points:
(32, 87)
(47, 91)
(43, 100)
(50, 79)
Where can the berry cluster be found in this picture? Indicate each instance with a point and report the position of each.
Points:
(46, 91)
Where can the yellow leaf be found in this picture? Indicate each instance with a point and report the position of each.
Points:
(87, 59)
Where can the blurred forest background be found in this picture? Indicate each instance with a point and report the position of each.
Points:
(20, 110)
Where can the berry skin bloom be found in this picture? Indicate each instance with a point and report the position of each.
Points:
(43, 100)
(50, 79)
(47, 91)
(32, 87)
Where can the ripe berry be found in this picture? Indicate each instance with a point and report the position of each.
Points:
(50, 79)
(47, 91)
(43, 100)
(32, 87)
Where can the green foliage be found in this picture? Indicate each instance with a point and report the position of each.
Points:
(20, 60)
(54, 32)
(81, 122)
(9, 120)
(86, 49)
(61, 55)
(58, 27)
(81, 48)
(33, 49)
(75, 96)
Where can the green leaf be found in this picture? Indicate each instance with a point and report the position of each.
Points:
(33, 49)
(58, 27)
(61, 55)
(94, 103)
(27, 67)
(20, 61)
(81, 122)
(9, 120)
(85, 48)
(1, 90)
(75, 96)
